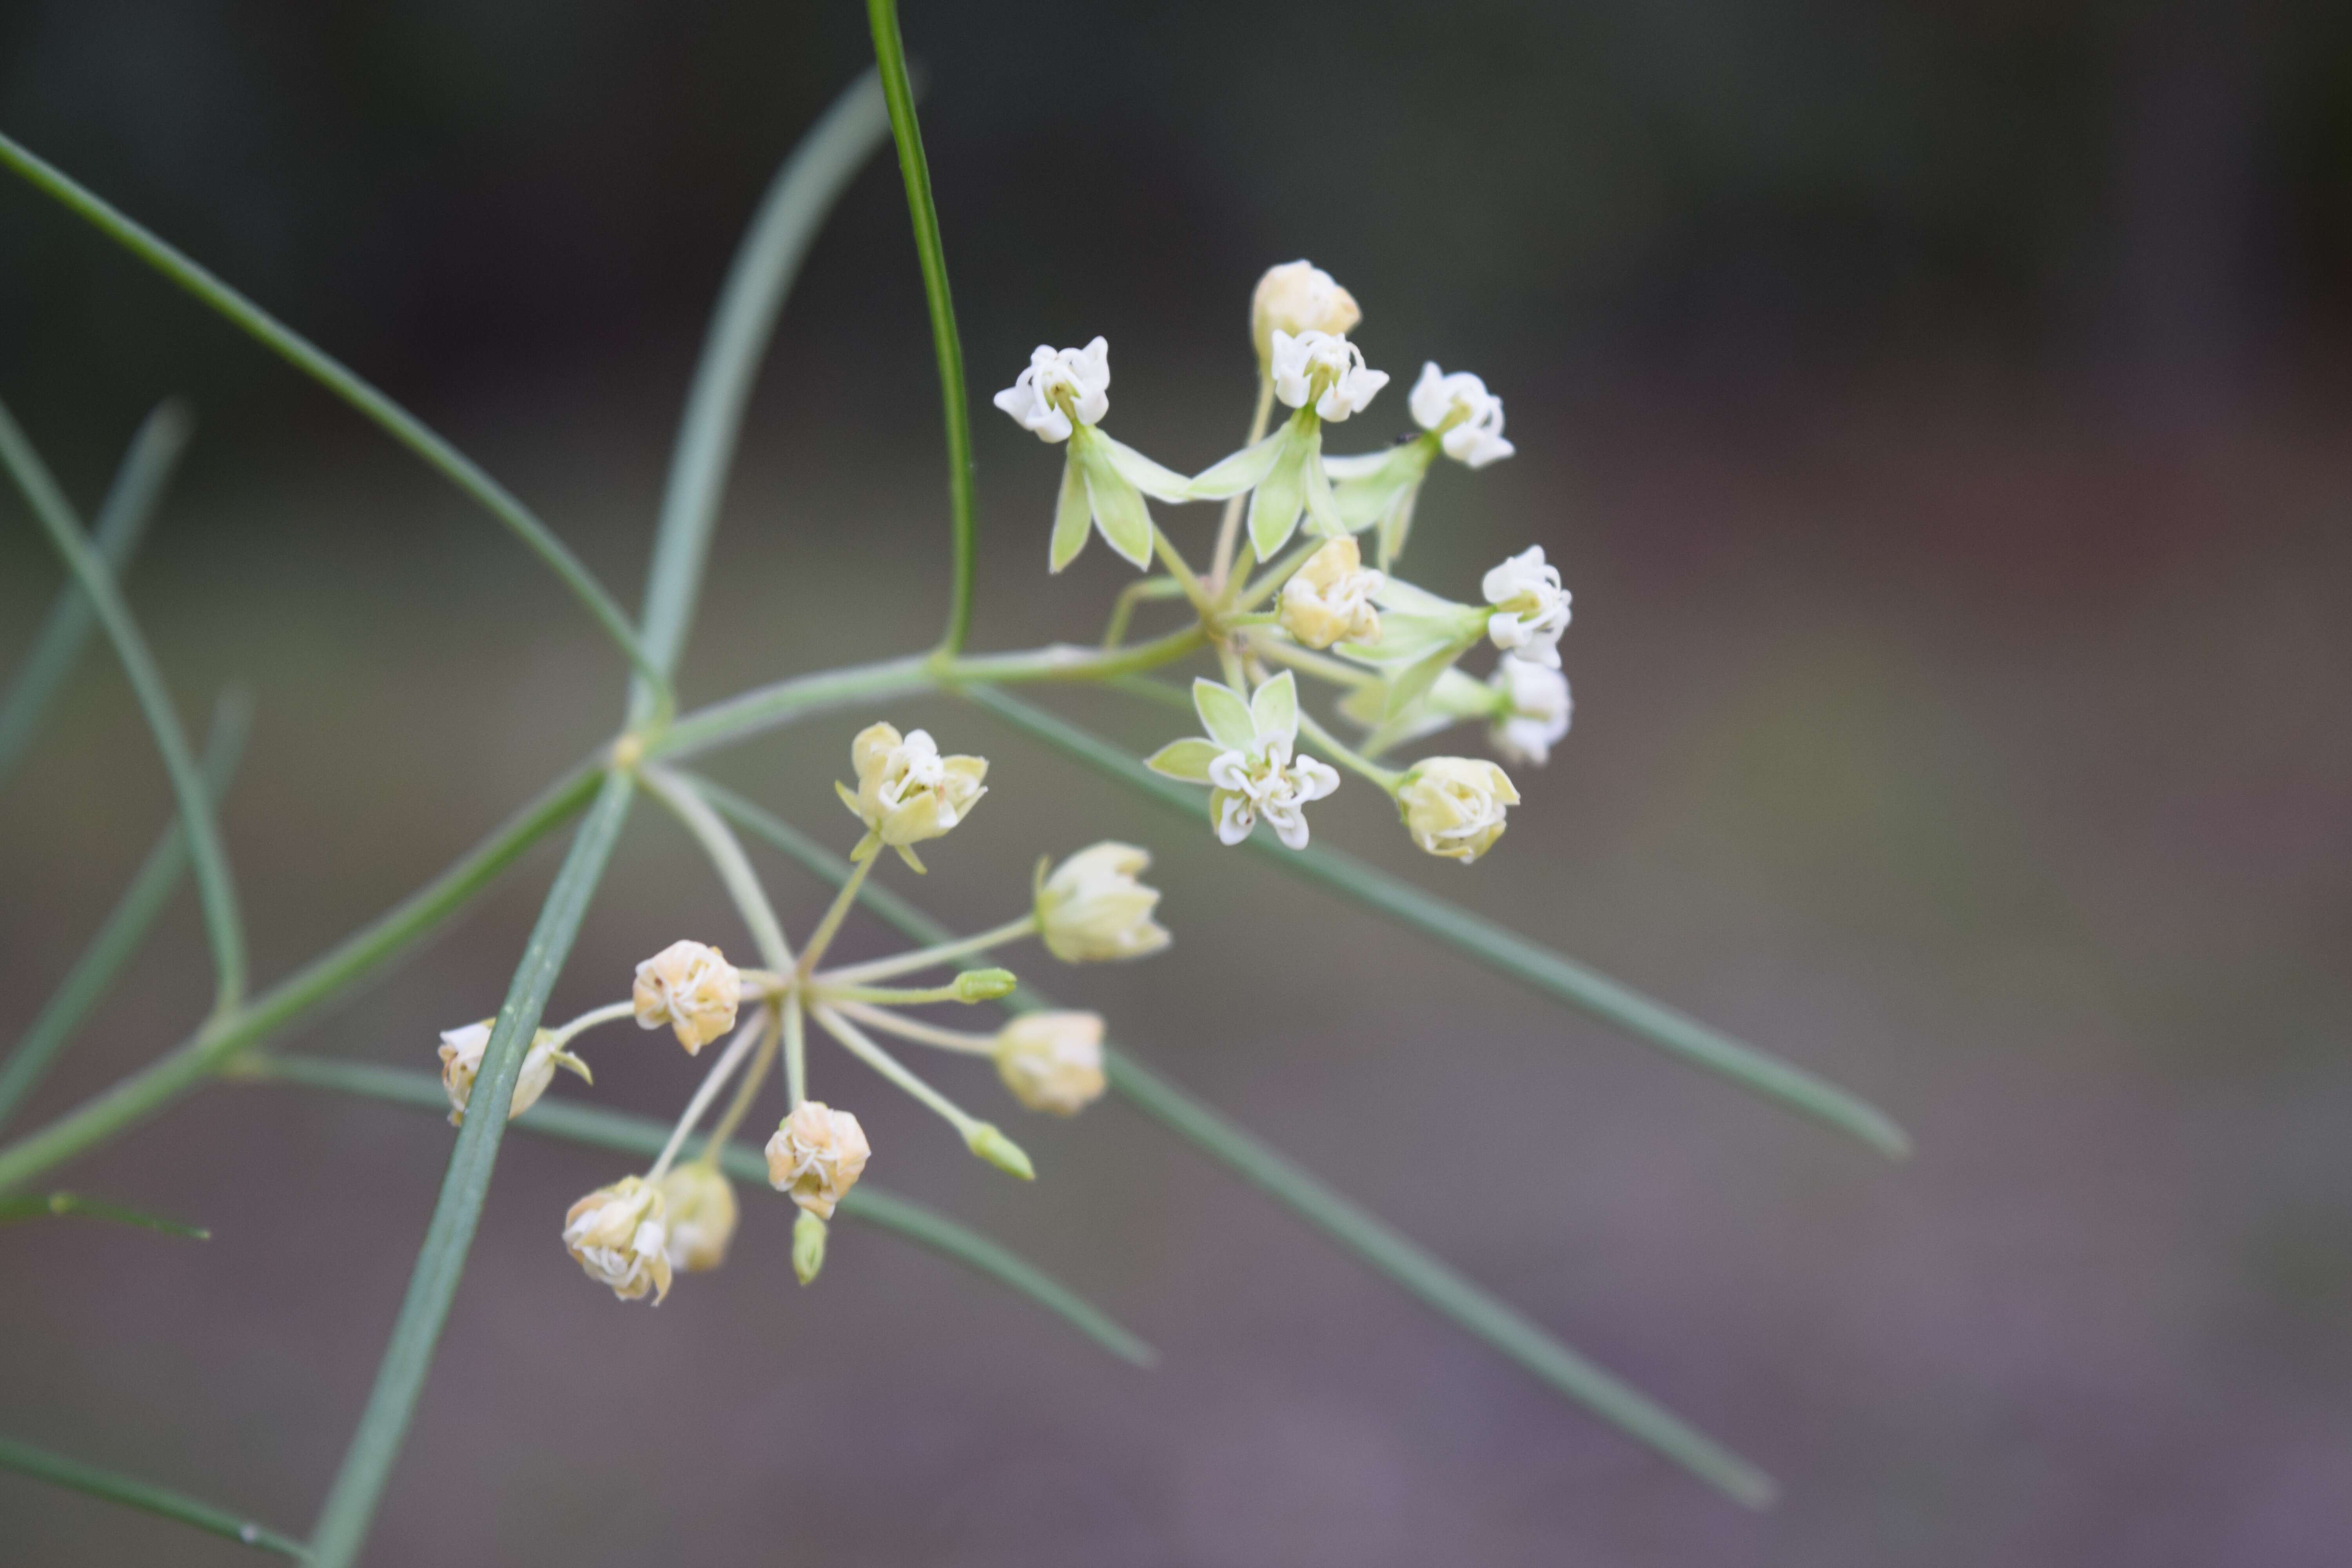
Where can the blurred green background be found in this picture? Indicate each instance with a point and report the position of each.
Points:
(1941, 414)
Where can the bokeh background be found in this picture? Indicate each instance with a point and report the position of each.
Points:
(1941, 413)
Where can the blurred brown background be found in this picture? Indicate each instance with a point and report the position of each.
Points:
(1941, 413)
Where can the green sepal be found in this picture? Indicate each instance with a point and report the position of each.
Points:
(1157, 482)
(1225, 714)
(1273, 708)
(1072, 515)
(1276, 504)
(1187, 758)
(1119, 507)
(1242, 471)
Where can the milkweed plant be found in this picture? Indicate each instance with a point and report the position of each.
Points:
(1316, 664)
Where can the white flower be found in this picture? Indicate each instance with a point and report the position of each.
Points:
(1454, 806)
(906, 792)
(1092, 907)
(1531, 609)
(461, 1062)
(1246, 761)
(1052, 1061)
(1533, 708)
(1060, 385)
(1466, 418)
(1329, 599)
(1326, 370)
(698, 1202)
(816, 1156)
(618, 1235)
(690, 987)
(1299, 297)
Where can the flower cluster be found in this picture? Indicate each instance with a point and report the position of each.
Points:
(1390, 645)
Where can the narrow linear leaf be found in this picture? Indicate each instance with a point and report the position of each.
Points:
(16, 1209)
(330, 373)
(1433, 1282)
(126, 925)
(641, 1135)
(1499, 949)
(351, 1505)
(955, 405)
(222, 922)
(122, 520)
(28, 1461)
(766, 265)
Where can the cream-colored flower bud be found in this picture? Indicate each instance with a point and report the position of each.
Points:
(1454, 806)
(690, 987)
(906, 792)
(1092, 908)
(1329, 599)
(816, 1156)
(461, 1062)
(1299, 297)
(699, 1202)
(1052, 1061)
(618, 1235)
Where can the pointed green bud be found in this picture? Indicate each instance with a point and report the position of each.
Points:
(984, 984)
(808, 1247)
(1001, 1151)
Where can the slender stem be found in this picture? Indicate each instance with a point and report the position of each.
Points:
(795, 1050)
(36, 1206)
(1012, 931)
(332, 373)
(1306, 662)
(1229, 527)
(828, 927)
(915, 1029)
(855, 1042)
(127, 926)
(25, 1459)
(727, 857)
(121, 523)
(1203, 603)
(752, 1033)
(1122, 609)
(352, 1502)
(1266, 582)
(834, 994)
(611, 1013)
(745, 1093)
(222, 922)
(766, 263)
(1387, 778)
(890, 59)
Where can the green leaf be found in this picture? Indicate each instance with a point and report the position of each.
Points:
(122, 523)
(1073, 513)
(26, 1459)
(1242, 471)
(1187, 760)
(332, 373)
(1275, 505)
(126, 925)
(1273, 707)
(642, 1135)
(41, 1205)
(761, 275)
(222, 924)
(359, 1484)
(1118, 504)
(1436, 1285)
(1505, 952)
(1225, 714)
(1161, 483)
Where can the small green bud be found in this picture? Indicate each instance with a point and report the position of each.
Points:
(808, 1247)
(984, 984)
(1001, 1151)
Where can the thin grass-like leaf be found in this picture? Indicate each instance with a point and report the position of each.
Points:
(351, 1503)
(1436, 1283)
(339, 379)
(222, 924)
(766, 263)
(37, 1206)
(955, 405)
(126, 925)
(642, 1135)
(28, 1461)
(122, 520)
(1504, 951)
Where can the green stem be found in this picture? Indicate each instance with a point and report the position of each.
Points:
(745, 1092)
(1122, 609)
(36, 1206)
(397, 422)
(855, 1041)
(727, 858)
(131, 1492)
(753, 1033)
(1387, 778)
(121, 523)
(222, 924)
(827, 928)
(921, 1033)
(955, 407)
(1229, 527)
(352, 1502)
(766, 263)
(1274, 576)
(1307, 662)
(1012, 931)
(1204, 604)
(795, 1050)
(126, 925)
